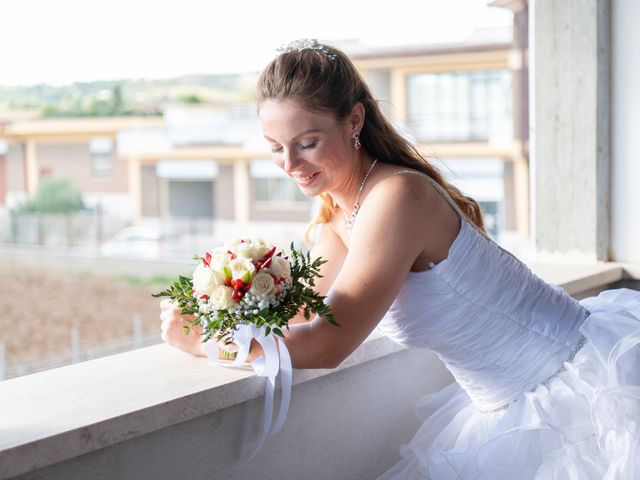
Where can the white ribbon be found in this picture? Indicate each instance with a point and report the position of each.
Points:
(265, 366)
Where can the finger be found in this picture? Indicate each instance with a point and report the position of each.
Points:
(166, 304)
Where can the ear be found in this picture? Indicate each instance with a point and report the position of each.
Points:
(356, 118)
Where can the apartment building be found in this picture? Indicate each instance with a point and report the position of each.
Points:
(460, 104)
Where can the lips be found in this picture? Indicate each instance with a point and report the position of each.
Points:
(305, 180)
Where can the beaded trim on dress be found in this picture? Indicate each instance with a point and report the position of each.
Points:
(582, 340)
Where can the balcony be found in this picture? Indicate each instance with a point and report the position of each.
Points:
(158, 413)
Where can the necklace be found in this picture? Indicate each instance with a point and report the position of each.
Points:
(356, 206)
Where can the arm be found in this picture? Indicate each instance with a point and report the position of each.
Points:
(386, 239)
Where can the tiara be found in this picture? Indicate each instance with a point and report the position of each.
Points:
(306, 44)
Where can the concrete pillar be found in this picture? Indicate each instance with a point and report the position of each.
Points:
(570, 44)
(398, 96)
(625, 171)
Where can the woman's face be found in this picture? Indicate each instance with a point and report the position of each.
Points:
(312, 148)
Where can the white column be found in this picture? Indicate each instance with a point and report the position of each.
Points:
(31, 168)
(625, 171)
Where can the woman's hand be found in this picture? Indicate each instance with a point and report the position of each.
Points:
(172, 329)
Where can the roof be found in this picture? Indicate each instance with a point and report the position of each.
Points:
(79, 126)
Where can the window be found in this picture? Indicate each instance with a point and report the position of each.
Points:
(271, 185)
(277, 190)
(101, 150)
(460, 106)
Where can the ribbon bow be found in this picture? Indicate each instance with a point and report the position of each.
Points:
(266, 366)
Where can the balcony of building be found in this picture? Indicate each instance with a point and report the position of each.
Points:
(157, 413)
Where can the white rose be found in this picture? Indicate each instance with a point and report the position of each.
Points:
(246, 250)
(220, 257)
(240, 267)
(260, 248)
(205, 280)
(280, 267)
(263, 286)
(222, 298)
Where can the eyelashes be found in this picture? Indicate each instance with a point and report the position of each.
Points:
(300, 146)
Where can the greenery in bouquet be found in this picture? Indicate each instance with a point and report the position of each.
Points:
(248, 282)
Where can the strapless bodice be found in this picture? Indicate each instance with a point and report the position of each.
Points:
(499, 329)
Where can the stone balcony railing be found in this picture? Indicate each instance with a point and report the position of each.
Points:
(158, 413)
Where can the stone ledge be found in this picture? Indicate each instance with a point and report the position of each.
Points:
(63, 413)
(52, 416)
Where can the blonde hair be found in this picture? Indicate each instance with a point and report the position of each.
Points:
(327, 81)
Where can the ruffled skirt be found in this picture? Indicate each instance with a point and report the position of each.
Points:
(583, 424)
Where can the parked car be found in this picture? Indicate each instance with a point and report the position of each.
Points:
(141, 241)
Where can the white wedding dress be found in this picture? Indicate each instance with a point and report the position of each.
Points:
(546, 387)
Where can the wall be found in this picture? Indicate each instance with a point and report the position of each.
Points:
(625, 174)
(73, 160)
(347, 424)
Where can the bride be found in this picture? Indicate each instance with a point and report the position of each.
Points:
(546, 387)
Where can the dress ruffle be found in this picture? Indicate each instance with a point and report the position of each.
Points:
(583, 424)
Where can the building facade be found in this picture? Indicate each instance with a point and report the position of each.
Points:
(458, 103)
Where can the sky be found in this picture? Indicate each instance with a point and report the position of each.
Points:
(64, 41)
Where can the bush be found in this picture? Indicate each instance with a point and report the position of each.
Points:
(54, 195)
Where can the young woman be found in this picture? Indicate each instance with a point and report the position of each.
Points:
(546, 387)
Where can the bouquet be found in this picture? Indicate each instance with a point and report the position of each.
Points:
(248, 290)
(248, 282)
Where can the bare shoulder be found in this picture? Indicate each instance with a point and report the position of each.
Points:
(409, 207)
(409, 195)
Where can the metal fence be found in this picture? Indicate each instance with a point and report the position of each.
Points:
(78, 352)
(80, 229)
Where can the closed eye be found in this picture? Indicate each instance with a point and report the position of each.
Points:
(309, 145)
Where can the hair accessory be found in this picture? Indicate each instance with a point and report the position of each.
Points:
(356, 141)
(356, 206)
(306, 44)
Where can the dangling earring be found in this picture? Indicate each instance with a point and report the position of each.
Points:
(356, 141)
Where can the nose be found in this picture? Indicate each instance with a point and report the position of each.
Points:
(291, 160)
